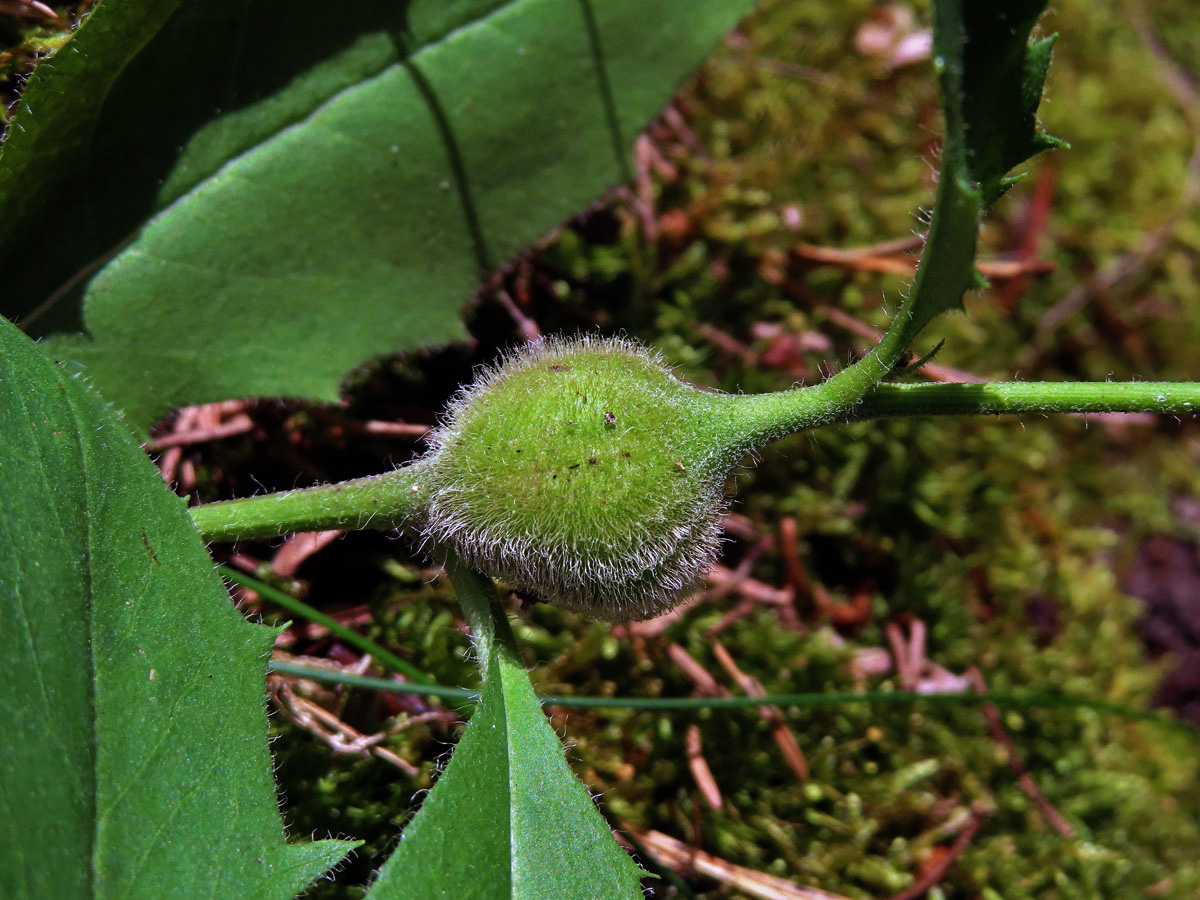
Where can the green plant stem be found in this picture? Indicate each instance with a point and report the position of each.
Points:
(394, 500)
(383, 502)
(489, 623)
(349, 635)
(946, 271)
(1036, 398)
(1014, 700)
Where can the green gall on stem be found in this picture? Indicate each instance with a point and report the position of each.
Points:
(580, 470)
(584, 472)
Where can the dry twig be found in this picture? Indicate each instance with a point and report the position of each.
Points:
(699, 676)
(698, 766)
(27, 9)
(783, 736)
(937, 872)
(1056, 819)
(328, 728)
(299, 547)
(526, 327)
(206, 422)
(684, 859)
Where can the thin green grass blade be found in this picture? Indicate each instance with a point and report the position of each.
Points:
(1015, 700)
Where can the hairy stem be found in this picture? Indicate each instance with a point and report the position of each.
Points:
(384, 502)
(1164, 397)
(489, 624)
(945, 272)
(394, 500)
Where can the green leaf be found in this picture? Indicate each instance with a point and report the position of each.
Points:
(216, 79)
(362, 226)
(991, 79)
(506, 819)
(131, 691)
(1003, 77)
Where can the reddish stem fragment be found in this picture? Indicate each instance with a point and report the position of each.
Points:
(1056, 819)
(937, 872)
(783, 736)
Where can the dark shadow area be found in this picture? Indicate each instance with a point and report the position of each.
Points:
(211, 59)
(1166, 578)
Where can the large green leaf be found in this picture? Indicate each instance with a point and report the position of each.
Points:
(362, 226)
(506, 819)
(131, 692)
(216, 79)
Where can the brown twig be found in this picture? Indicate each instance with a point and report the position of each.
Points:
(340, 737)
(885, 261)
(395, 429)
(235, 426)
(27, 9)
(299, 547)
(937, 871)
(705, 683)
(742, 527)
(674, 120)
(735, 613)
(726, 343)
(526, 327)
(684, 859)
(206, 422)
(707, 686)
(809, 597)
(725, 584)
(854, 326)
(651, 628)
(750, 588)
(1000, 734)
(910, 654)
(168, 463)
(1033, 225)
(643, 198)
(783, 736)
(698, 766)
(869, 662)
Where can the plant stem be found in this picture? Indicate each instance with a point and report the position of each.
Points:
(394, 500)
(488, 621)
(946, 271)
(1044, 398)
(385, 502)
(349, 635)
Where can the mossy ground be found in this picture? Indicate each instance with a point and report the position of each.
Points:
(1010, 540)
